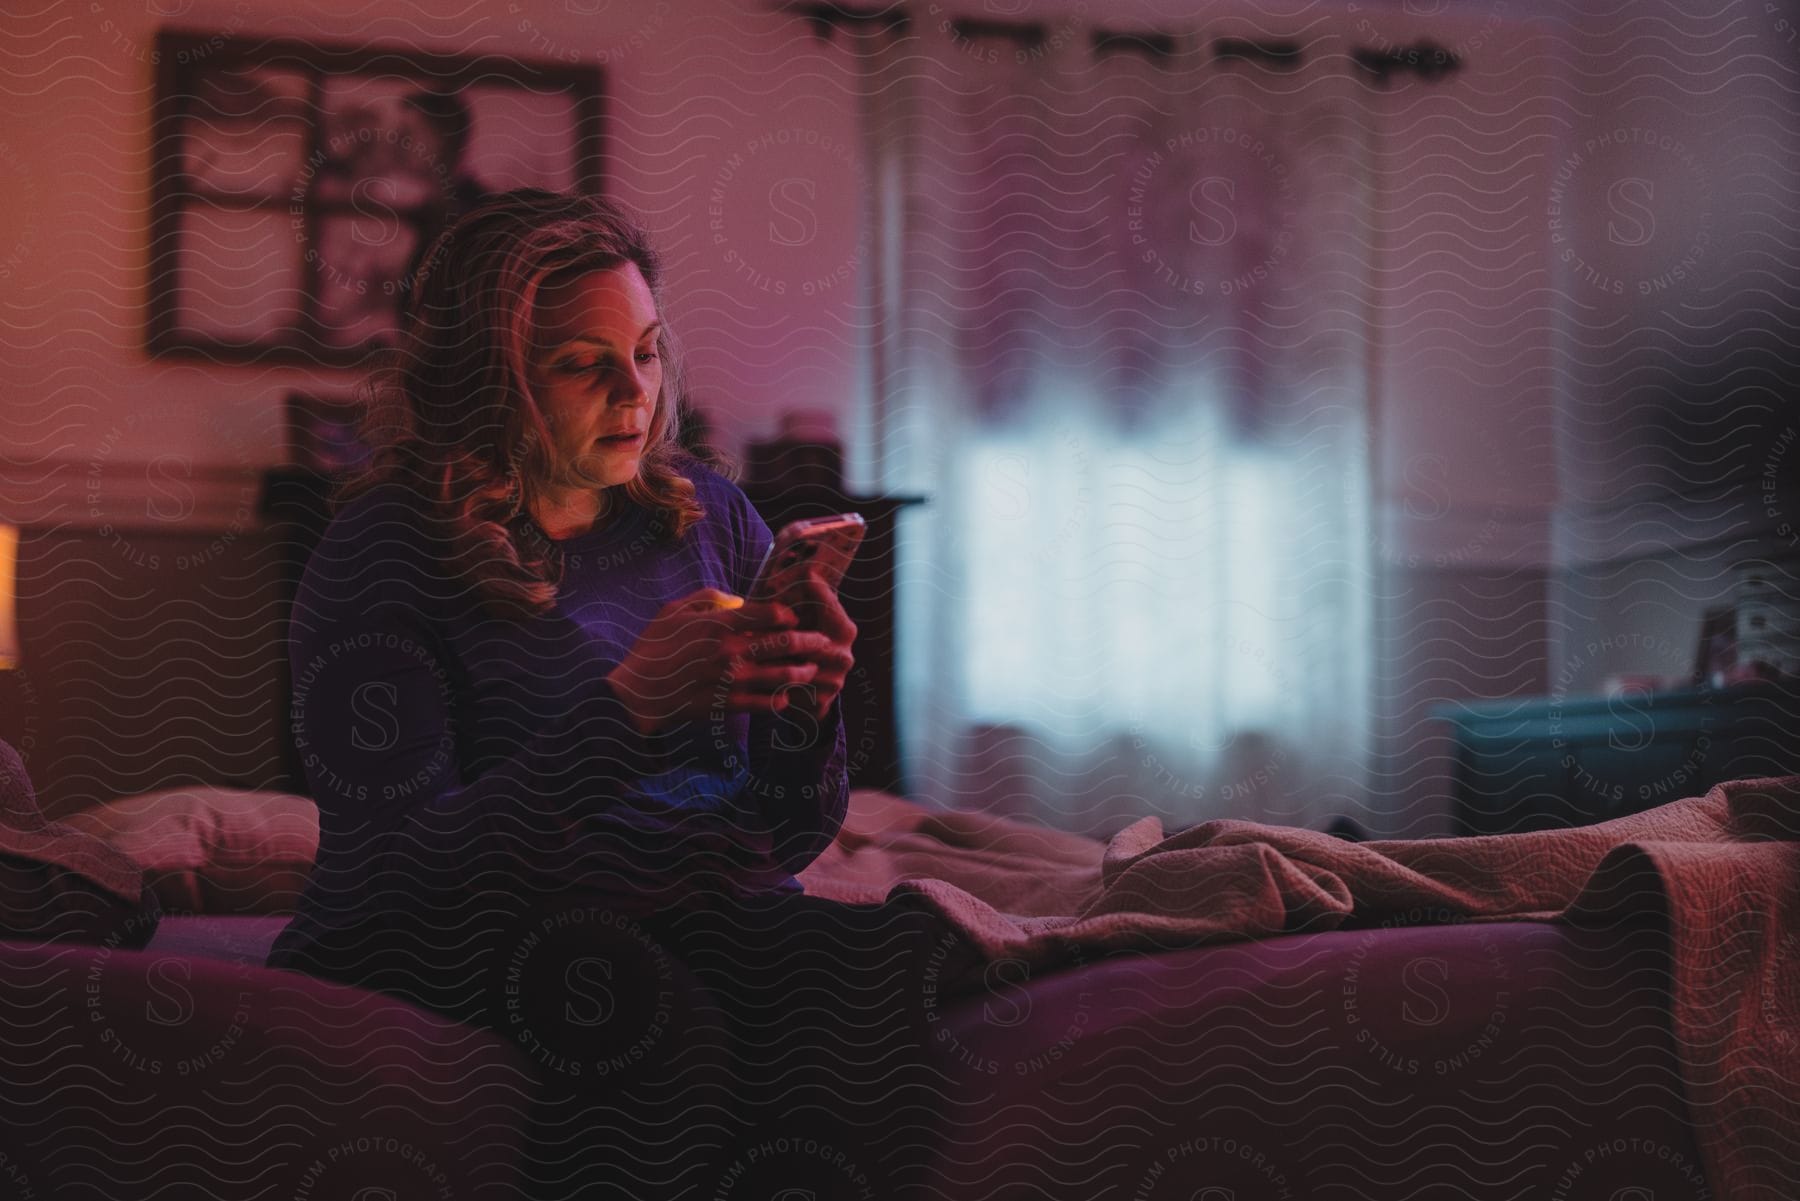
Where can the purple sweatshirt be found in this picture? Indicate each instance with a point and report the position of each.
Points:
(457, 755)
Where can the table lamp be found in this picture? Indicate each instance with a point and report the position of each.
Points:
(9, 572)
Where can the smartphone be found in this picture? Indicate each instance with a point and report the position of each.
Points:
(826, 544)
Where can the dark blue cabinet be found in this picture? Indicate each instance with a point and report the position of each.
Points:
(1542, 762)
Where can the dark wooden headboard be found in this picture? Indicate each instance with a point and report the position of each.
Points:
(153, 654)
(156, 657)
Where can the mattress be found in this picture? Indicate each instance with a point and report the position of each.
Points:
(185, 1070)
(1487, 1060)
(1502, 1060)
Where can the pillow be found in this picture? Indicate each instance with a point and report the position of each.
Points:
(208, 849)
(58, 884)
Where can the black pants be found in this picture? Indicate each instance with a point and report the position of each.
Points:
(730, 1048)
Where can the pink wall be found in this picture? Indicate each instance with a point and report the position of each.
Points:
(725, 122)
(1677, 302)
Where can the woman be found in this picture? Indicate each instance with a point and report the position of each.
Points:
(565, 785)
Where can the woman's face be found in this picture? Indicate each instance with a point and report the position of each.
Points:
(596, 372)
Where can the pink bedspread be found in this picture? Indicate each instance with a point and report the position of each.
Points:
(1725, 868)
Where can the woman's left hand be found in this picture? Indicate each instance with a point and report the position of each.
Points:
(818, 608)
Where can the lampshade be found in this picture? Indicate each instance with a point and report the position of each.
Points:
(9, 572)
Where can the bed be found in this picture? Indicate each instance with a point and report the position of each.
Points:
(1507, 1060)
(1469, 1059)
(186, 1069)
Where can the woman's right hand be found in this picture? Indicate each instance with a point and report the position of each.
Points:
(699, 657)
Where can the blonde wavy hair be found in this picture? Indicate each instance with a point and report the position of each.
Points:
(450, 413)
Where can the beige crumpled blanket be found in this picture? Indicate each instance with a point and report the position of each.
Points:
(1724, 868)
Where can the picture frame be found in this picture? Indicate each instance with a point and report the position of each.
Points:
(297, 185)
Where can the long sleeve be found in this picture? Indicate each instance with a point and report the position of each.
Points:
(380, 752)
(800, 779)
(376, 721)
(462, 760)
(803, 782)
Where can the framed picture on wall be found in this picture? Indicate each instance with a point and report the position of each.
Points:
(297, 186)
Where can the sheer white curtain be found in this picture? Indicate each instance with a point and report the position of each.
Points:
(1121, 348)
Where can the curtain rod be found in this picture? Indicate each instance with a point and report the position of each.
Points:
(826, 17)
(1426, 59)
(1153, 46)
